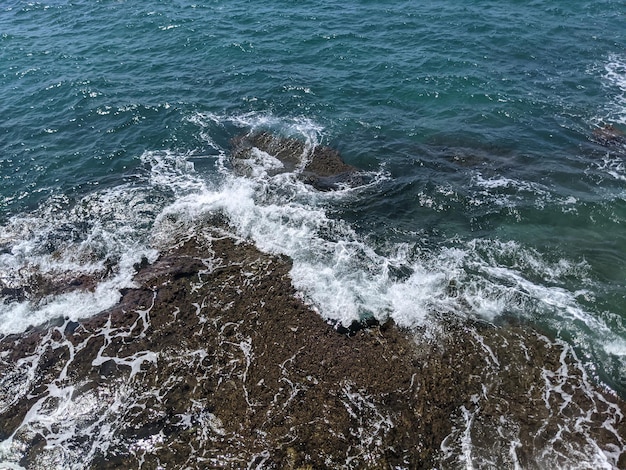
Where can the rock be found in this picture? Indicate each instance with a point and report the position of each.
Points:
(321, 167)
(37, 286)
(609, 135)
(221, 365)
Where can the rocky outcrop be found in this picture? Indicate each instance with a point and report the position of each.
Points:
(319, 166)
(609, 135)
(214, 362)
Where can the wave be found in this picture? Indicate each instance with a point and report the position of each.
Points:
(615, 79)
(71, 258)
(343, 274)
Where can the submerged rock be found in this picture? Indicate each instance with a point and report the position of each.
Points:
(609, 135)
(320, 166)
(214, 362)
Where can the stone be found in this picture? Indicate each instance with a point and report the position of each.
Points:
(322, 167)
(222, 365)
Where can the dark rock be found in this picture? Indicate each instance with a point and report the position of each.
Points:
(37, 286)
(108, 368)
(13, 294)
(142, 264)
(355, 326)
(226, 368)
(321, 167)
(70, 327)
(609, 135)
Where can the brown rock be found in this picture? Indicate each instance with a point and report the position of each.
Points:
(220, 365)
(321, 166)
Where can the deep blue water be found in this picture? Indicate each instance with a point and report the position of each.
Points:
(474, 119)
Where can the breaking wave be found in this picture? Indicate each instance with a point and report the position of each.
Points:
(340, 272)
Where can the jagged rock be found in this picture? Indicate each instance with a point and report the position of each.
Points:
(321, 167)
(212, 361)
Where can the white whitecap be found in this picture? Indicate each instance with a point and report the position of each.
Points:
(100, 237)
(615, 80)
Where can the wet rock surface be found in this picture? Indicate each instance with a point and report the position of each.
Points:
(37, 286)
(213, 362)
(609, 135)
(319, 166)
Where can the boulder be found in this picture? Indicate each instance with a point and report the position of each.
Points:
(320, 166)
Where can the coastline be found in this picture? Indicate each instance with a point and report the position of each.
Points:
(213, 361)
(315, 235)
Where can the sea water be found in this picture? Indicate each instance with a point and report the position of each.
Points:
(488, 134)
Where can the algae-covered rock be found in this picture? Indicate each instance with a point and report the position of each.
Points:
(320, 166)
(213, 362)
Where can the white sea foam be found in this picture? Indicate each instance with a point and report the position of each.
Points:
(98, 237)
(506, 192)
(613, 166)
(553, 446)
(346, 278)
(336, 270)
(615, 77)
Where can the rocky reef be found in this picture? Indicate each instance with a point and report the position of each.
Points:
(609, 135)
(214, 361)
(320, 166)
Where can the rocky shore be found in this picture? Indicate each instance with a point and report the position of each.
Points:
(213, 362)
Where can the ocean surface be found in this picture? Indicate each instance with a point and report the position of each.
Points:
(489, 136)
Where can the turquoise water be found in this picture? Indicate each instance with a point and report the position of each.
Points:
(474, 121)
